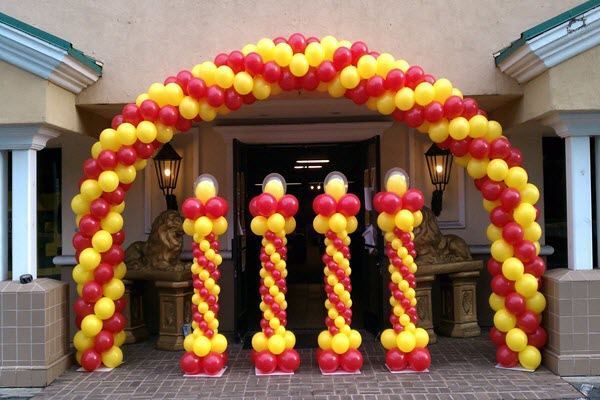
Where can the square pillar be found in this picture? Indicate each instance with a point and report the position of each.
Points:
(424, 305)
(459, 304)
(175, 310)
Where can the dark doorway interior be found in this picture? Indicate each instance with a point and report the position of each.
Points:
(306, 295)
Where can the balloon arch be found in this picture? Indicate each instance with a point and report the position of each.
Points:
(342, 69)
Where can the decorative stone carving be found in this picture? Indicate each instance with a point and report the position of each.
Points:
(162, 250)
(433, 247)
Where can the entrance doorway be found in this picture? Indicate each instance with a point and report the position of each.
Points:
(304, 175)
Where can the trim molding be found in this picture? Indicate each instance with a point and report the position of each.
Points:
(572, 123)
(26, 137)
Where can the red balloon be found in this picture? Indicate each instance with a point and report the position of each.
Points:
(169, 115)
(471, 108)
(91, 360)
(190, 363)
(192, 208)
(394, 80)
(326, 71)
(82, 308)
(512, 233)
(310, 81)
(215, 96)
(528, 321)
(212, 363)
(88, 225)
(497, 337)
(419, 359)
(149, 110)
(459, 148)
(324, 204)
(254, 64)
(537, 338)
(183, 78)
(297, 42)
(99, 208)
(196, 88)
(220, 59)
(107, 160)
(80, 242)
(502, 286)
(265, 362)
(429, 78)
(233, 100)
(115, 324)
(114, 255)
(120, 304)
(536, 267)
(525, 251)
(506, 357)
(182, 125)
(91, 292)
(351, 361)
(103, 273)
(500, 217)
(116, 121)
(390, 202)
(500, 148)
(413, 200)
(253, 354)
(349, 205)
(235, 61)
(510, 198)
(396, 360)
(358, 50)
(127, 155)
(375, 86)
(266, 204)
(479, 148)
(453, 107)
(515, 303)
(115, 197)
(414, 117)
(491, 190)
(131, 114)
(288, 361)
(287, 206)
(143, 150)
(377, 201)
(91, 168)
(216, 207)
(271, 72)
(414, 75)
(328, 361)
(342, 57)
(103, 341)
(434, 112)
(514, 159)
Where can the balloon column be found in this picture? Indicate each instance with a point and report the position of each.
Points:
(399, 212)
(273, 212)
(204, 222)
(342, 69)
(336, 210)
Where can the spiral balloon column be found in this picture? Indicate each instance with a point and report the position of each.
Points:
(273, 212)
(399, 212)
(336, 210)
(204, 222)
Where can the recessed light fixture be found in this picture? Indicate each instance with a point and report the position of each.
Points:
(312, 161)
(307, 166)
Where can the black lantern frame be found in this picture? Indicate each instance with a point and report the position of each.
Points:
(439, 165)
(167, 163)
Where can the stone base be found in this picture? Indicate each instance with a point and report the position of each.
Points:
(424, 306)
(175, 307)
(135, 327)
(572, 321)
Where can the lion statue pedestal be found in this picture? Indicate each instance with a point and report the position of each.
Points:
(158, 260)
(446, 258)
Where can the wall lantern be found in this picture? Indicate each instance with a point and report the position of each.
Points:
(167, 163)
(439, 164)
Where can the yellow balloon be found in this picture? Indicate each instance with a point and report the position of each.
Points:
(315, 54)
(205, 190)
(536, 303)
(276, 344)
(156, 92)
(224, 76)
(385, 63)
(274, 187)
(259, 225)
(404, 220)
(202, 346)
(386, 222)
(109, 140)
(525, 214)
(203, 226)
(530, 358)
(493, 232)
(299, 65)
(290, 225)
(443, 90)
(397, 183)
(494, 131)
(189, 107)
(91, 325)
(497, 169)
(421, 337)
(335, 87)
(188, 227)
(516, 339)
(350, 77)
(126, 134)
(532, 232)
(496, 302)
(337, 223)
(113, 357)
(146, 132)
(120, 271)
(113, 222)
(526, 285)
(530, 194)
(96, 149)
(386, 104)
(290, 339)
(89, 259)
(219, 226)
(424, 93)
(90, 190)
(355, 339)
(205, 71)
(173, 94)
(261, 89)
(477, 168)
(276, 222)
(504, 321)
(512, 268)
(478, 126)
(335, 188)
(81, 275)
(340, 343)
(243, 83)
(367, 66)
(126, 174)
(283, 54)
(324, 340)
(329, 44)
(516, 178)
(79, 205)
(218, 343)
(406, 341)
(501, 250)
(207, 112)
(188, 343)
(114, 289)
(104, 308)
(438, 132)
(119, 338)
(265, 48)
(82, 342)
(388, 339)
(459, 128)
(405, 99)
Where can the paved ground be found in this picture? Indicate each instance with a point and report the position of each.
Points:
(461, 369)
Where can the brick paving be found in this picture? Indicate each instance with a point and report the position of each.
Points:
(461, 369)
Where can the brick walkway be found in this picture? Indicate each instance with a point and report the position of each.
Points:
(460, 369)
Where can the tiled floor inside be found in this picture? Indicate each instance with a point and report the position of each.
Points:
(460, 369)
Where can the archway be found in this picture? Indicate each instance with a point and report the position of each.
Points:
(340, 68)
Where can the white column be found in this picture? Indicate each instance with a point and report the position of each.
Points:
(24, 213)
(3, 215)
(579, 202)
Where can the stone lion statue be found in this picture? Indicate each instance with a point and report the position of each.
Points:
(162, 251)
(435, 248)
